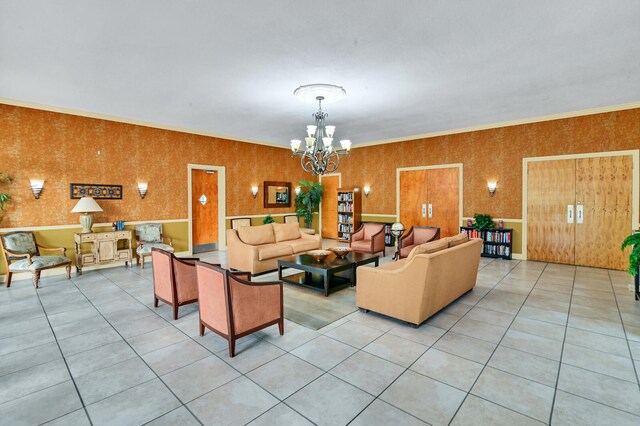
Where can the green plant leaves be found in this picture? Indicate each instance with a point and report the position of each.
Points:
(633, 240)
(483, 221)
(308, 200)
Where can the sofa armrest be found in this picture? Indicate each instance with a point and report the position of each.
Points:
(407, 240)
(377, 241)
(241, 256)
(359, 234)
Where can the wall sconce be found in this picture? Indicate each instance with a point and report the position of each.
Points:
(298, 189)
(254, 191)
(142, 189)
(36, 187)
(491, 186)
(366, 190)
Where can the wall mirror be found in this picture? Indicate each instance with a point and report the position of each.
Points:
(277, 194)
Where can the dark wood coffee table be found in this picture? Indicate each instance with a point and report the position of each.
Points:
(328, 275)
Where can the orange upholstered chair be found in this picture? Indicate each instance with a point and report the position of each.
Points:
(174, 280)
(233, 307)
(417, 235)
(369, 238)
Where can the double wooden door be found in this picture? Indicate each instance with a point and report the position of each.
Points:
(431, 197)
(579, 210)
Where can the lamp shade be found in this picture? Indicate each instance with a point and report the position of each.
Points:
(86, 205)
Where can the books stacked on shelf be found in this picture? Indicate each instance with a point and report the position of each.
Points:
(498, 237)
(345, 228)
(345, 236)
(345, 196)
(345, 207)
(502, 251)
(345, 218)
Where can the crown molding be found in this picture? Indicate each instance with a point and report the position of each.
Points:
(70, 111)
(551, 117)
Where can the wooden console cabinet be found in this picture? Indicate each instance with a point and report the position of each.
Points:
(105, 248)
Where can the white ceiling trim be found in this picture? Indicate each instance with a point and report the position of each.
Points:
(551, 117)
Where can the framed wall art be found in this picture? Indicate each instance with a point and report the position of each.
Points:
(99, 191)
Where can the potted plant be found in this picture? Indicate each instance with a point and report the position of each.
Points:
(4, 198)
(633, 240)
(268, 219)
(483, 222)
(308, 200)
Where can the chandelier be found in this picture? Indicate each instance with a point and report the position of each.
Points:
(320, 156)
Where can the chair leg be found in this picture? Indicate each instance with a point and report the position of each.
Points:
(137, 260)
(201, 329)
(175, 311)
(383, 253)
(281, 326)
(8, 283)
(142, 261)
(155, 302)
(36, 278)
(69, 271)
(232, 347)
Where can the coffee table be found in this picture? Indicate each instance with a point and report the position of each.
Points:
(330, 274)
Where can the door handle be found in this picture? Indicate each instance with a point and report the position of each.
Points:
(424, 210)
(570, 213)
(579, 213)
(430, 210)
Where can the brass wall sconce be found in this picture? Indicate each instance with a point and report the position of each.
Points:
(36, 187)
(142, 189)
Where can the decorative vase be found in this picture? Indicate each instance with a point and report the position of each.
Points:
(501, 224)
(469, 222)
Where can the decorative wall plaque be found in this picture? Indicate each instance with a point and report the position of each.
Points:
(98, 191)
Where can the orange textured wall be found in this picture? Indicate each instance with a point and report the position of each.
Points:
(63, 148)
(494, 154)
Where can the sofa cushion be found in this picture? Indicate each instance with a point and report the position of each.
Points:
(428, 248)
(286, 231)
(269, 251)
(256, 235)
(456, 240)
(301, 245)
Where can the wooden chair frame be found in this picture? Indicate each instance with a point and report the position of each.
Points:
(174, 286)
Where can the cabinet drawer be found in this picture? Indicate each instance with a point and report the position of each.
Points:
(123, 234)
(88, 259)
(87, 237)
(106, 235)
(124, 255)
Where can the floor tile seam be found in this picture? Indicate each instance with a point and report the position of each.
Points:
(67, 379)
(120, 391)
(633, 361)
(601, 403)
(493, 352)
(538, 335)
(596, 319)
(598, 333)
(598, 373)
(75, 385)
(31, 366)
(87, 332)
(505, 407)
(128, 344)
(17, 335)
(439, 380)
(160, 416)
(497, 367)
(526, 352)
(564, 341)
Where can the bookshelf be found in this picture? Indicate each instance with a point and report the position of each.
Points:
(496, 242)
(349, 210)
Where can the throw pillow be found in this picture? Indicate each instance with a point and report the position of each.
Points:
(256, 235)
(286, 231)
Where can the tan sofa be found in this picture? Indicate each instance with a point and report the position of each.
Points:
(431, 277)
(256, 249)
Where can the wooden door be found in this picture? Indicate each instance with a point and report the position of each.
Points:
(204, 216)
(550, 189)
(413, 194)
(603, 189)
(443, 193)
(329, 208)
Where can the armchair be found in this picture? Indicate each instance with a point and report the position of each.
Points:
(174, 280)
(369, 238)
(417, 235)
(232, 306)
(21, 253)
(148, 236)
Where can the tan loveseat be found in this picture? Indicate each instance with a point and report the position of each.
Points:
(256, 249)
(432, 276)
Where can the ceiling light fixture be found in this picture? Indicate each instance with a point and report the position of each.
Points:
(320, 156)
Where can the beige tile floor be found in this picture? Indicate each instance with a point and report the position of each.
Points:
(532, 343)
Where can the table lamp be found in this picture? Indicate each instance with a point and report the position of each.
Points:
(86, 206)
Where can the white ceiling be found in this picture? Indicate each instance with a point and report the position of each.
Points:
(409, 67)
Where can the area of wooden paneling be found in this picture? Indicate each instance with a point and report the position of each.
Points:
(204, 218)
(603, 186)
(330, 185)
(413, 193)
(443, 193)
(550, 189)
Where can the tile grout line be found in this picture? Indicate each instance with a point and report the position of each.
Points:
(624, 329)
(84, 407)
(555, 388)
